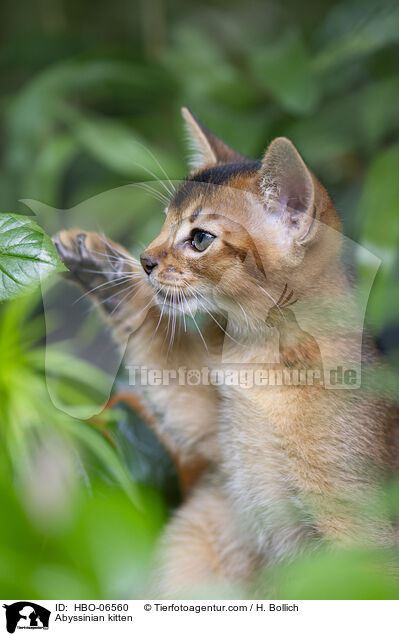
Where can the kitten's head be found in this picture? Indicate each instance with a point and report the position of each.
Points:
(237, 231)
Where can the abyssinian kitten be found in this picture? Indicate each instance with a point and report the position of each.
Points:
(288, 466)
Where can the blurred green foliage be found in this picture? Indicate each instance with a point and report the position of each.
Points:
(99, 548)
(75, 518)
(82, 97)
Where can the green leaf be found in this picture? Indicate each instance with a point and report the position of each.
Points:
(107, 455)
(348, 122)
(27, 255)
(48, 167)
(120, 149)
(213, 77)
(284, 69)
(379, 212)
(356, 29)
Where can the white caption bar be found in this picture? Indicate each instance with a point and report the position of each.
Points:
(157, 617)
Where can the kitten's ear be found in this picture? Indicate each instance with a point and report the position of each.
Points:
(289, 189)
(206, 148)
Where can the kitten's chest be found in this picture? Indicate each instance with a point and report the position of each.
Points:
(249, 434)
(254, 450)
(261, 477)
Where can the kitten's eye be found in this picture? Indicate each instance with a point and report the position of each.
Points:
(200, 240)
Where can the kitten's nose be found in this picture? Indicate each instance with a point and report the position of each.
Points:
(148, 263)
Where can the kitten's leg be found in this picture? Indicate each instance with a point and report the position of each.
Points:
(201, 554)
(115, 281)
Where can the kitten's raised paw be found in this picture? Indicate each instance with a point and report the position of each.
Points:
(94, 262)
(71, 248)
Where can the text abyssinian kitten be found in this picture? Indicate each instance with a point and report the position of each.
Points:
(255, 247)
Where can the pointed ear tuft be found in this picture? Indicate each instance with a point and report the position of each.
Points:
(288, 188)
(206, 149)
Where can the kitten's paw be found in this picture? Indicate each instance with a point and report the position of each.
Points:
(71, 249)
(94, 262)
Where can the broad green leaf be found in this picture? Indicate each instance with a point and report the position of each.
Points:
(27, 255)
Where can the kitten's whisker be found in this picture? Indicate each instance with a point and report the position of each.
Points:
(150, 302)
(196, 293)
(122, 299)
(150, 188)
(107, 255)
(159, 164)
(174, 313)
(167, 331)
(182, 303)
(133, 290)
(172, 333)
(198, 329)
(170, 193)
(162, 198)
(116, 251)
(177, 310)
(131, 287)
(114, 272)
(162, 310)
(118, 281)
(218, 324)
(167, 328)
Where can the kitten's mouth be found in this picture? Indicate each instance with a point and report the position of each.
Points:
(179, 298)
(173, 294)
